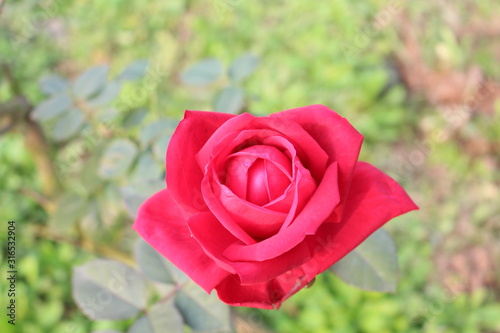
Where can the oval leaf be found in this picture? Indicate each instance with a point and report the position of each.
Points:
(117, 158)
(373, 265)
(154, 130)
(202, 311)
(134, 118)
(135, 195)
(107, 289)
(107, 95)
(162, 317)
(155, 266)
(134, 71)
(230, 100)
(68, 125)
(90, 81)
(202, 73)
(53, 84)
(242, 67)
(51, 107)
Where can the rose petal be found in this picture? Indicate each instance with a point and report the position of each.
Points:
(337, 138)
(160, 223)
(265, 295)
(183, 173)
(319, 207)
(374, 199)
(214, 239)
(312, 156)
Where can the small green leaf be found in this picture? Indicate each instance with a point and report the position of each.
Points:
(373, 265)
(90, 81)
(243, 67)
(202, 311)
(117, 158)
(162, 317)
(51, 107)
(160, 147)
(134, 118)
(230, 100)
(155, 129)
(53, 84)
(202, 73)
(68, 125)
(134, 195)
(155, 266)
(107, 95)
(107, 289)
(146, 168)
(134, 71)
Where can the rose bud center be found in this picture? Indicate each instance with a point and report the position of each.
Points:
(259, 174)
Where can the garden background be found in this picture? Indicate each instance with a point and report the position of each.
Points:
(91, 91)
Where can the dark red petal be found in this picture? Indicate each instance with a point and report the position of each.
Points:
(310, 153)
(265, 295)
(160, 223)
(374, 199)
(336, 137)
(183, 173)
(214, 239)
(319, 207)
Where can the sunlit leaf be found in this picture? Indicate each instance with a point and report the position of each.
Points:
(117, 158)
(107, 95)
(53, 84)
(162, 317)
(155, 266)
(90, 81)
(373, 265)
(68, 125)
(107, 289)
(230, 100)
(134, 71)
(51, 107)
(243, 67)
(202, 73)
(202, 311)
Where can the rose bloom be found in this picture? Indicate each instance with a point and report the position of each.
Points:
(256, 207)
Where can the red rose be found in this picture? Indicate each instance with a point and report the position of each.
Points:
(256, 207)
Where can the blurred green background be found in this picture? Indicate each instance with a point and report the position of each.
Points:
(419, 80)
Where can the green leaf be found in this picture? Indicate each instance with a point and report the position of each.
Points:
(134, 117)
(155, 266)
(160, 147)
(155, 129)
(117, 158)
(230, 100)
(107, 95)
(51, 107)
(90, 81)
(53, 84)
(202, 73)
(107, 289)
(69, 124)
(134, 195)
(135, 70)
(373, 265)
(162, 317)
(146, 168)
(242, 67)
(107, 331)
(202, 311)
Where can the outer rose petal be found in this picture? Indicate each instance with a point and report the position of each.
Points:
(265, 295)
(183, 173)
(336, 136)
(160, 223)
(374, 199)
